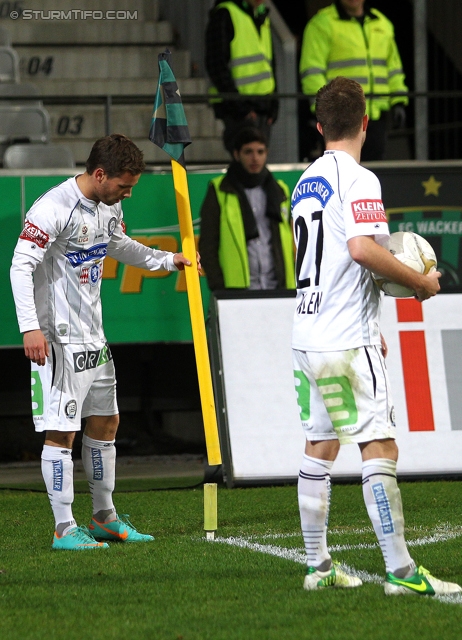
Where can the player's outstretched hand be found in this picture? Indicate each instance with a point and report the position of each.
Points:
(180, 261)
(430, 286)
(36, 346)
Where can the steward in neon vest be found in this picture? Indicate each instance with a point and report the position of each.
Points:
(230, 232)
(364, 49)
(239, 59)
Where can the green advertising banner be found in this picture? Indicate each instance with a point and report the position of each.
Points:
(141, 306)
(427, 200)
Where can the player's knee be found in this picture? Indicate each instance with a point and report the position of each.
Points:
(102, 427)
(64, 439)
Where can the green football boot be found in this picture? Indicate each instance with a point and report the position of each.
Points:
(422, 583)
(333, 577)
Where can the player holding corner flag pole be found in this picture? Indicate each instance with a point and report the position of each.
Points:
(169, 131)
(338, 351)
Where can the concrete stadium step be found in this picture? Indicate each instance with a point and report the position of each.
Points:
(72, 32)
(57, 63)
(121, 86)
(88, 121)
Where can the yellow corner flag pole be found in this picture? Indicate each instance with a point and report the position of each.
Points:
(169, 131)
(183, 204)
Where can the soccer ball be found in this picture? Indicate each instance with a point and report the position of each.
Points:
(412, 250)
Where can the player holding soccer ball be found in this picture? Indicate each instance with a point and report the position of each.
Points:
(56, 279)
(340, 376)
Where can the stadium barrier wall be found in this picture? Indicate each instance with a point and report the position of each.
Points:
(260, 431)
(141, 306)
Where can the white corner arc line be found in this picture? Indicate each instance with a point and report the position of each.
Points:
(442, 534)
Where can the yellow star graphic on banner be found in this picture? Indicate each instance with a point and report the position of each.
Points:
(431, 186)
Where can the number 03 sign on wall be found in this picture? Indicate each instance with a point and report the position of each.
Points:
(260, 431)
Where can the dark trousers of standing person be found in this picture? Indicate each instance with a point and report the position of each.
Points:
(376, 138)
(312, 143)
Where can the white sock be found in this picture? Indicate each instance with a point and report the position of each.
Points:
(58, 474)
(314, 502)
(384, 506)
(99, 458)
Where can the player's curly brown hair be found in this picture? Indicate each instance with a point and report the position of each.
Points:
(116, 154)
(340, 108)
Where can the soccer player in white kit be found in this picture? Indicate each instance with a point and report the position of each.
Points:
(56, 279)
(339, 368)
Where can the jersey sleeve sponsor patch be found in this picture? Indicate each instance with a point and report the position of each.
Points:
(368, 211)
(34, 234)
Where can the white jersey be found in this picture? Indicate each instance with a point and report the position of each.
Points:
(338, 304)
(58, 263)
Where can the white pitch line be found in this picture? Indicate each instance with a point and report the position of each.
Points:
(442, 534)
(296, 555)
(438, 536)
(454, 599)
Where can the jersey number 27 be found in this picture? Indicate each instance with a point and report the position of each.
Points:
(304, 267)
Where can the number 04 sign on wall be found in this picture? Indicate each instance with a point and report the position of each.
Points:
(260, 431)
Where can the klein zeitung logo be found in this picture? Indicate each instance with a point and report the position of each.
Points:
(34, 234)
(368, 211)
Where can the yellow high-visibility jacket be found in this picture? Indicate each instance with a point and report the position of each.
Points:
(335, 44)
(223, 245)
(251, 53)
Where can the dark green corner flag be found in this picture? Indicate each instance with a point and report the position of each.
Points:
(169, 129)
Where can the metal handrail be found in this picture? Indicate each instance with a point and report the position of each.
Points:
(204, 97)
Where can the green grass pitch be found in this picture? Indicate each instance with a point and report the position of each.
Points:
(246, 585)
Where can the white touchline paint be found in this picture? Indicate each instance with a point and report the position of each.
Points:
(296, 555)
(443, 532)
(455, 599)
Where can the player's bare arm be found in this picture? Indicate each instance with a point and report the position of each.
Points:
(369, 254)
(180, 261)
(384, 346)
(36, 346)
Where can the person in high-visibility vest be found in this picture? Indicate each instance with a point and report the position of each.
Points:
(239, 59)
(246, 239)
(349, 38)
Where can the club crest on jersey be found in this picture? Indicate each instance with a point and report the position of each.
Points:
(76, 258)
(34, 234)
(316, 187)
(111, 226)
(91, 275)
(368, 211)
(62, 329)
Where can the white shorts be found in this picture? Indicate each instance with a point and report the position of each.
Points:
(77, 381)
(344, 395)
